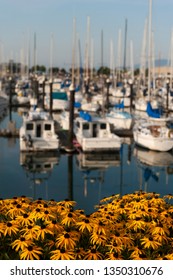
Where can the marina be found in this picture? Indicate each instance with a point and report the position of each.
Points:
(84, 178)
(86, 135)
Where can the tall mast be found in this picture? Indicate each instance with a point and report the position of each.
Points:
(35, 53)
(102, 48)
(149, 46)
(51, 57)
(125, 45)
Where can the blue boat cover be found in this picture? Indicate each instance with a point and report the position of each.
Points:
(85, 116)
(154, 113)
(120, 105)
(77, 104)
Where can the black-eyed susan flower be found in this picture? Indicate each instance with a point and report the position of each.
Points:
(16, 210)
(113, 256)
(93, 254)
(30, 231)
(47, 215)
(67, 240)
(24, 219)
(150, 242)
(67, 203)
(137, 224)
(54, 226)
(98, 238)
(62, 254)
(21, 243)
(31, 252)
(86, 224)
(79, 253)
(11, 228)
(68, 219)
(43, 231)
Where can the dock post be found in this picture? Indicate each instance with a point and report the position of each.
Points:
(70, 147)
(43, 94)
(107, 93)
(167, 96)
(51, 102)
(131, 93)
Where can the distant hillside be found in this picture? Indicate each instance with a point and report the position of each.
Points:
(158, 63)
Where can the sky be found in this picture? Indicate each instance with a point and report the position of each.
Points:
(52, 22)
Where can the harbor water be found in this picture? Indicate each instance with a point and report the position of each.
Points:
(83, 178)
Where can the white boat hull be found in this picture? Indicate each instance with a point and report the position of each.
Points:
(99, 144)
(39, 145)
(153, 143)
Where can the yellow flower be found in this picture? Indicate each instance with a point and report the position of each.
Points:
(62, 254)
(67, 240)
(43, 230)
(150, 242)
(10, 228)
(79, 253)
(24, 219)
(159, 228)
(93, 254)
(113, 256)
(30, 231)
(116, 239)
(100, 227)
(54, 227)
(98, 238)
(2, 226)
(47, 215)
(32, 252)
(21, 243)
(85, 224)
(168, 257)
(67, 203)
(136, 224)
(69, 219)
(114, 248)
(16, 210)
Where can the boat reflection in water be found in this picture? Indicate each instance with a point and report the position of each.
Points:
(153, 163)
(38, 167)
(94, 165)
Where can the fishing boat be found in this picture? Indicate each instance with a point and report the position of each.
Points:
(37, 132)
(93, 134)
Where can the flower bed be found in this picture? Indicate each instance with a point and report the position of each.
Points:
(132, 227)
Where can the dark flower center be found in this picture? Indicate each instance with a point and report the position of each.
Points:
(70, 215)
(62, 250)
(66, 235)
(18, 206)
(22, 238)
(25, 215)
(30, 248)
(93, 251)
(9, 224)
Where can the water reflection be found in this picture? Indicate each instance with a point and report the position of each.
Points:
(83, 178)
(38, 168)
(153, 166)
